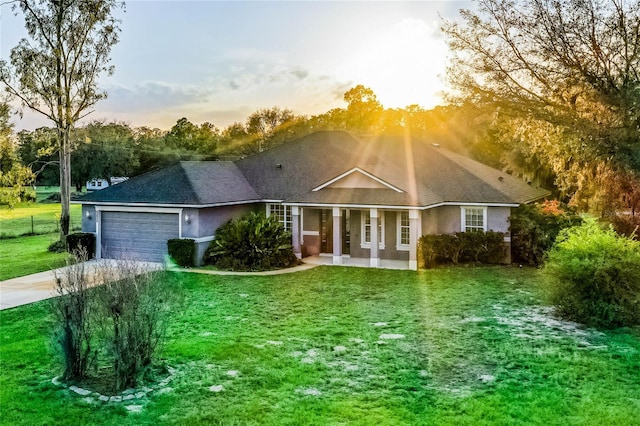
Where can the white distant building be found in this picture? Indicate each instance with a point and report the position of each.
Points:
(98, 184)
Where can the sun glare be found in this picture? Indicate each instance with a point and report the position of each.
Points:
(402, 65)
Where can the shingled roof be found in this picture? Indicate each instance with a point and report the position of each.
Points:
(186, 183)
(417, 174)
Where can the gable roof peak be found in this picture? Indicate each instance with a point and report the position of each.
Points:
(371, 181)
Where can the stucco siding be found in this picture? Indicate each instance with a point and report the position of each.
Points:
(390, 232)
(206, 221)
(391, 238)
(498, 219)
(310, 232)
(88, 220)
(448, 219)
(210, 219)
(356, 235)
(429, 222)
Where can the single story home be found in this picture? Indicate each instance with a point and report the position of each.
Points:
(97, 184)
(339, 195)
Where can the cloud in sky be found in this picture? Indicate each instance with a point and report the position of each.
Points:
(220, 61)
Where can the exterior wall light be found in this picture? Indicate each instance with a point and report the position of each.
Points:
(187, 219)
(88, 214)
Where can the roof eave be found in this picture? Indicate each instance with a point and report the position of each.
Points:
(168, 205)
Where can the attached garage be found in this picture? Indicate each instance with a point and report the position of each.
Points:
(137, 235)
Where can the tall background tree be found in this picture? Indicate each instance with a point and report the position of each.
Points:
(104, 151)
(38, 150)
(56, 72)
(562, 81)
(197, 142)
(14, 176)
(363, 109)
(264, 122)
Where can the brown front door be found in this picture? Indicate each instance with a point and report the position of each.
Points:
(346, 231)
(326, 231)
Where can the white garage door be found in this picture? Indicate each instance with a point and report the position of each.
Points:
(137, 236)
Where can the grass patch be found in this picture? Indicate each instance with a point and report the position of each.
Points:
(17, 221)
(28, 255)
(352, 346)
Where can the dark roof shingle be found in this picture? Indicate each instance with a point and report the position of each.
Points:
(426, 174)
(184, 183)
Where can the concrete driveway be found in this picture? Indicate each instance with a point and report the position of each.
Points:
(32, 288)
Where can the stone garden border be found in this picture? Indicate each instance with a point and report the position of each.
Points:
(124, 396)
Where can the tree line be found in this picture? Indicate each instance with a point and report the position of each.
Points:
(104, 150)
(545, 90)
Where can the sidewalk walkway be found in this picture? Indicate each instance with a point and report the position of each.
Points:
(33, 288)
(298, 268)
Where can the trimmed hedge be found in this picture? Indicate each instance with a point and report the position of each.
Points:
(182, 251)
(85, 240)
(463, 247)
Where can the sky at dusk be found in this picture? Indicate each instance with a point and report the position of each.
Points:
(220, 61)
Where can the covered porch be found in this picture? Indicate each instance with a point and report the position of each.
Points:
(364, 236)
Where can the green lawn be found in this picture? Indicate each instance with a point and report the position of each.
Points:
(478, 347)
(17, 221)
(28, 255)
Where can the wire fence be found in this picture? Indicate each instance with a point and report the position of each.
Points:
(33, 225)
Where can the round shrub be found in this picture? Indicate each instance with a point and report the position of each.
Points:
(82, 241)
(57, 247)
(182, 251)
(593, 276)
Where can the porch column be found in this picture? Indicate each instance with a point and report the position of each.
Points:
(295, 231)
(414, 230)
(337, 236)
(374, 260)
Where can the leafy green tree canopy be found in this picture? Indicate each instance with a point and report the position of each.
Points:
(105, 150)
(567, 73)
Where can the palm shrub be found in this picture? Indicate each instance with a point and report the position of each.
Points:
(250, 243)
(592, 276)
(534, 228)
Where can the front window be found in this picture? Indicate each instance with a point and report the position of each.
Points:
(474, 219)
(283, 213)
(404, 230)
(366, 229)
